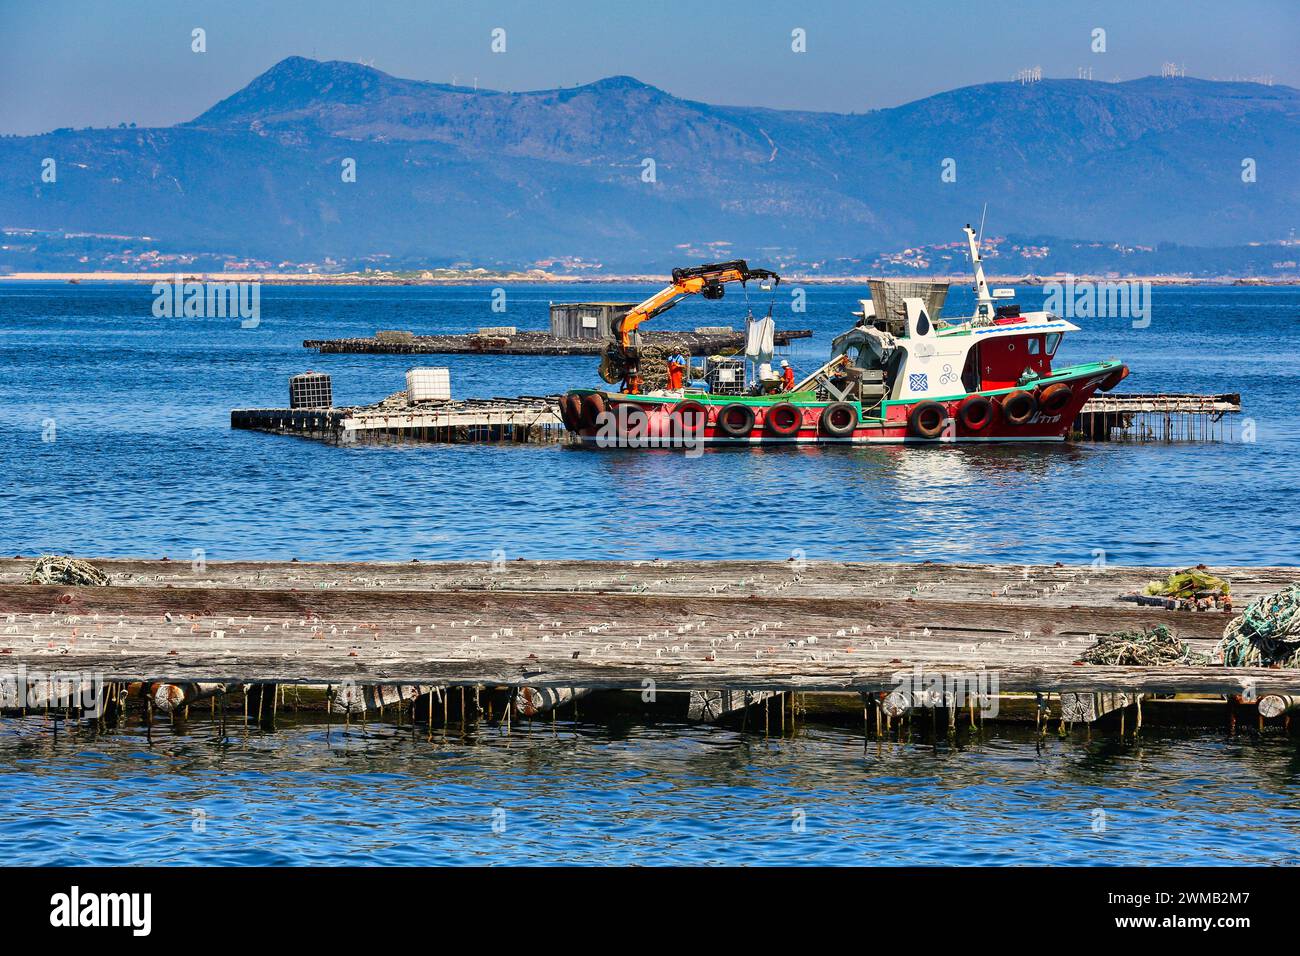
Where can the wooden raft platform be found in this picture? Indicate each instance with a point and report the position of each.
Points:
(533, 343)
(756, 626)
(534, 419)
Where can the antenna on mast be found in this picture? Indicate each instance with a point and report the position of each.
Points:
(983, 300)
(984, 213)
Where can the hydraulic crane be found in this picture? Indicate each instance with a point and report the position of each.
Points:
(623, 358)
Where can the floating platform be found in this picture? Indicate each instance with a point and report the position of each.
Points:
(536, 419)
(1121, 416)
(534, 343)
(677, 626)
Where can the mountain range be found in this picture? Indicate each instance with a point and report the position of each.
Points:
(619, 175)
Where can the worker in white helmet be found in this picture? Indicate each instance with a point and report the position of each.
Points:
(787, 376)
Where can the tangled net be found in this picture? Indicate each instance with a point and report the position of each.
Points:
(1144, 648)
(57, 569)
(1267, 634)
(1189, 584)
(653, 361)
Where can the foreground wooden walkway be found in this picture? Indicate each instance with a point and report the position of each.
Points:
(763, 626)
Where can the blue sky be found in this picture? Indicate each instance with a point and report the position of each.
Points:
(80, 63)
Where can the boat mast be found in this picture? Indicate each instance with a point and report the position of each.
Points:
(983, 299)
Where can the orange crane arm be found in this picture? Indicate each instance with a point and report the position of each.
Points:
(706, 279)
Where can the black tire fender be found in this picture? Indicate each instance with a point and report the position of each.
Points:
(736, 420)
(593, 406)
(926, 420)
(838, 420)
(1054, 399)
(783, 420)
(976, 413)
(1019, 407)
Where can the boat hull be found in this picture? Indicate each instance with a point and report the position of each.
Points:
(616, 420)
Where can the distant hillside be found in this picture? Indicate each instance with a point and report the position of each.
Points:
(451, 175)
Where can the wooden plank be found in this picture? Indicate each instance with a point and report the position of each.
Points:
(1022, 585)
(550, 639)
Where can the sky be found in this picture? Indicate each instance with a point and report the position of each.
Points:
(80, 63)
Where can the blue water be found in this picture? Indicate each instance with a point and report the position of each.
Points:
(641, 795)
(144, 462)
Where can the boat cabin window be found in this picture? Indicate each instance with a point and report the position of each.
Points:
(1033, 344)
(1053, 340)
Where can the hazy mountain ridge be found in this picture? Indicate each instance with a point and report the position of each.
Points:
(448, 173)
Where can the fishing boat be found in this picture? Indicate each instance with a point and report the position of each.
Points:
(902, 373)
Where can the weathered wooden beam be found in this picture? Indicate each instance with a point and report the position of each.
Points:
(169, 698)
(1087, 707)
(353, 698)
(1029, 585)
(1275, 705)
(710, 706)
(535, 701)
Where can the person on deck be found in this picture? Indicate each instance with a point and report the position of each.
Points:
(676, 369)
(632, 376)
(787, 376)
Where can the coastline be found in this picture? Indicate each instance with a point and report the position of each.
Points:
(547, 278)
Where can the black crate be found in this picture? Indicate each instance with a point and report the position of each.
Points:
(311, 390)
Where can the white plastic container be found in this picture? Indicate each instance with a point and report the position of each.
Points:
(428, 385)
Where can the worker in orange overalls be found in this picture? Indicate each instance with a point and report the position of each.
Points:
(676, 369)
(787, 376)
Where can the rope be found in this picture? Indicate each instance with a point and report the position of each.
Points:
(1145, 648)
(56, 569)
(1267, 634)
